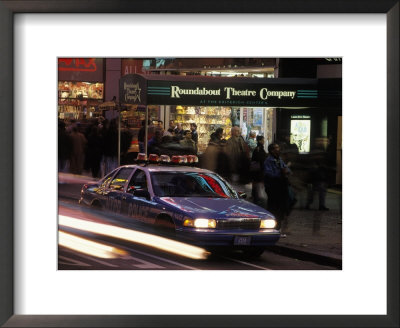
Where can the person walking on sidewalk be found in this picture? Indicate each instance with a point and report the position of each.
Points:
(256, 169)
(276, 183)
(238, 153)
(317, 183)
(79, 142)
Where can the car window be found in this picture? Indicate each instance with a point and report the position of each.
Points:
(190, 184)
(121, 178)
(138, 180)
(106, 180)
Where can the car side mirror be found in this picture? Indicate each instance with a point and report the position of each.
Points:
(242, 194)
(141, 193)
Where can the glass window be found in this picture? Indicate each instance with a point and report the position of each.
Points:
(107, 179)
(138, 181)
(120, 178)
(190, 184)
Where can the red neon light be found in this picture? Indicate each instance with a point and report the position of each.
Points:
(77, 64)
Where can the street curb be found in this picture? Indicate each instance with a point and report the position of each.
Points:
(319, 258)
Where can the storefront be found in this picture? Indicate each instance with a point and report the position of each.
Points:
(80, 88)
(211, 102)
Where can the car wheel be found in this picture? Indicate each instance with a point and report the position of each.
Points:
(253, 252)
(96, 204)
(164, 223)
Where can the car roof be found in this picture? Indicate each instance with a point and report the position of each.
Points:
(168, 168)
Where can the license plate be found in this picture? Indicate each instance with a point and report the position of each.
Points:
(242, 240)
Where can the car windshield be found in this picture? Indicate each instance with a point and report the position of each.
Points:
(190, 184)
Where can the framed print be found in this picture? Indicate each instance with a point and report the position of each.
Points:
(35, 294)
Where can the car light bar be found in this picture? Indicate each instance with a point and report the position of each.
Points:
(191, 160)
(165, 159)
(141, 157)
(176, 159)
(153, 158)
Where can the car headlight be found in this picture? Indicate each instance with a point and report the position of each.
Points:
(200, 223)
(268, 224)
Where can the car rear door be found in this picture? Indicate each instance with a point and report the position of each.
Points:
(115, 190)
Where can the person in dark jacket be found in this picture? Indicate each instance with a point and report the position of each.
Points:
(317, 180)
(216, 136)
(94, 152)
(257, 162)
(64, 147)
(276, 183)
(110, 157)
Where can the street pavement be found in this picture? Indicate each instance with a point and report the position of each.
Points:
(311, 235)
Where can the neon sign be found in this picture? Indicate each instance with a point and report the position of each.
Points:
(77, 64)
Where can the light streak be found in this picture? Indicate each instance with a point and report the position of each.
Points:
(89, 247)
(143, 238)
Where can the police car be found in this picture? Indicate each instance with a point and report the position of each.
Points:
(197, 205)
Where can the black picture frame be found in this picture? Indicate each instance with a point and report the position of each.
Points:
(7, 200)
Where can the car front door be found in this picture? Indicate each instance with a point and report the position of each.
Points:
(139, 204)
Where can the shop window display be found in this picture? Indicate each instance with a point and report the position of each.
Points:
(79, 100)
(208, 119)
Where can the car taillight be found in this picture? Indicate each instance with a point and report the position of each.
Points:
(84, 187)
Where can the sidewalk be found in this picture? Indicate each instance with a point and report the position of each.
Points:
(312, 234)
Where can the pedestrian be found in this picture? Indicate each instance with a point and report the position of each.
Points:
(187, 141)
(251, 142)
(179, 131)
(317, 182)
(169, 133)
(289, 151)
(257, 161)
(64, 147)
(237, 151)
(110, 151)
(126, 141)
(172, 125)
(216, 136)
(277, 185)
(141, 135)
(78, 142)
(195, 135)
(153, 146)
(94, 151)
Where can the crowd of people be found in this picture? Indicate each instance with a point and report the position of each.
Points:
(94, 148)
(90, 147)
(172, 141)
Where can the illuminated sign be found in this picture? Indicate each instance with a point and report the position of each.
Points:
(300, 116)
(229, 92)
(80, 69)
(201, 91)
(77, 64)
(132, 92)
(300, 131)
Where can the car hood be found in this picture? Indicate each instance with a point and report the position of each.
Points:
(217, 208)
